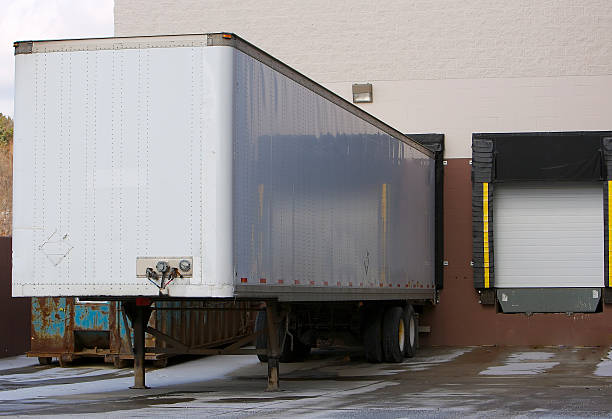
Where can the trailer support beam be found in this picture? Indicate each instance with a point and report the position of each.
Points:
(139, 314)
(274, 319)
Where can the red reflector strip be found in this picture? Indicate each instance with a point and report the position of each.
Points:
(244, 280)
(296, 282)
(325, 283)
(312, 283)
(281, 281)
(350, 284)
(262, 280)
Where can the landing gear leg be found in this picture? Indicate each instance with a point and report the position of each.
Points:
(274, 319)
(139, 313)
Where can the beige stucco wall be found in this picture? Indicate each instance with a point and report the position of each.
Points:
(450, 66)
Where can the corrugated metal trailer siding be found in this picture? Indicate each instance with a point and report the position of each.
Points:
(283, 182)
(322, 197)
(64, 326)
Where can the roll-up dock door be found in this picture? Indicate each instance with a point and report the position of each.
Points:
(542, 220)
(549, 235)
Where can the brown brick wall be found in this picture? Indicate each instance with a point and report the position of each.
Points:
(460, 320)
(14, 312)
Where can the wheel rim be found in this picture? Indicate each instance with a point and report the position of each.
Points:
(412, 331)
(401, 335)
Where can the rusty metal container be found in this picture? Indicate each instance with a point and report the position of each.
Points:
(68, 328)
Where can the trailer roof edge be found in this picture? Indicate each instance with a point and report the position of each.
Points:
(233, 40)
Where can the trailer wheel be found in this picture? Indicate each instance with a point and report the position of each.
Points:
(372, 335)
(45, 360)
(394, 334)
(411, 324)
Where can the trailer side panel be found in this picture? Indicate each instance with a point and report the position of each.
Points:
(323, 199)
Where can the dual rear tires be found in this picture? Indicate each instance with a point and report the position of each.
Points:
(390, 334)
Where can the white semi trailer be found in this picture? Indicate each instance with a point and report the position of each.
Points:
(199, 167)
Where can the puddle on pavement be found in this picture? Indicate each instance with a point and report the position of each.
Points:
(30, 407)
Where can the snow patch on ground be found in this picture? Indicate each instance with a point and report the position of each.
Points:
(432, 361)
(55, 374)
(518, 368)
(420, 363)
(13, 362)
(604, 368)
(198, 370)
(523, 363)
(530, 356)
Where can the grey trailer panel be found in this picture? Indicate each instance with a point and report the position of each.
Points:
(323, 198)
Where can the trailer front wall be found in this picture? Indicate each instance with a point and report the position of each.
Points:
(122, 150)
(321, 197)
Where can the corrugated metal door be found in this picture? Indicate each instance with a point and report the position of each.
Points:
(548, 235)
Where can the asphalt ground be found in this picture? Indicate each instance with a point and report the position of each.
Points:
(438, 382)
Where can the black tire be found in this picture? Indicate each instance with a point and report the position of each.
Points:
(411, 326)
(372, 335)
(394, 335)
(45, 360)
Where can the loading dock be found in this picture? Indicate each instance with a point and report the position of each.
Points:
(539, 220)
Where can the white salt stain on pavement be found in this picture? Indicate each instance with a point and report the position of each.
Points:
(604, 368)
(199, 370)
(523, 363)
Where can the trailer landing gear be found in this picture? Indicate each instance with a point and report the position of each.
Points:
(139, 313)
(274, 319)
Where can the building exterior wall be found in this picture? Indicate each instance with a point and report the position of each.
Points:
(438, 66)
(14, 312)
